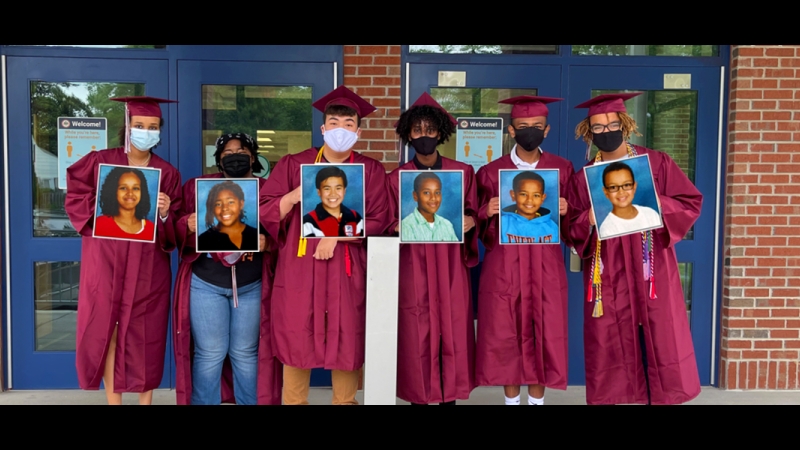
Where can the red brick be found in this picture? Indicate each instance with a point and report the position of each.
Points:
(755, 73)
(759, 231)
(371, 134)
(770, 303)
(773, 282)
(349, 49)
(394, 49)
(743, 220)
(357, 81)
(786, 251)
(386, 102)
(777, 73)
(747, 94)
(739, 105)
(387, 81)
(778, 94)
(790, 84)
(773, 179)
(382, 145)
(741, 344)
(786, 105)
(777, 136)
(370, 91)
(745, 241)
(387, 60)
(357, 60)
(762, 168)
(777, 115)
(731, 375)
(761, 84)
(771, 241)
(772, 376)
(769, 323)
(793, 324)
(730, 354)
(756, 272)
(373, 50)
(782, 379)
(762, 126)
(390, 166)
(393, 92)
(794, 282)
(786, 273)
(768, 344)
(787, 231)
(788, 126)
(749, 51)
(785, 312)
(742, 375)
(747, 262)
(788, 210)
(792, 345)
(374, 155)
(762, 374)
(790, 62)
(755, 354)
(775, 157)
(778, 52)
(772, 220)
(756, 313)
(350, 70)
(393, 70)
(372, 70)
(793, 375)
(752, 374)
(784, 334)
(746, 115)
(783, 355)
(771, 262)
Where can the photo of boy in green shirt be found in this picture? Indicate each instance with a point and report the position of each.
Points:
(424, 224)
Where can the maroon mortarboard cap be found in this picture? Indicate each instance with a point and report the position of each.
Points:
(143, 106)
(345, 97)
(607, 103)
(529, 105)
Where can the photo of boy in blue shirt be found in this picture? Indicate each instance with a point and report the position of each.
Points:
(526, 221)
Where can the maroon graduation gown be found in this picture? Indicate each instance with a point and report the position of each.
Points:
(435, 303)
(270, 370)
(522, 296)
(121, 281)
(318, 311)
(614, 369)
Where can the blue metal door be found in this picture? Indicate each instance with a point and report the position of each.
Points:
(679, 113)
(270, 101)
(45, 250)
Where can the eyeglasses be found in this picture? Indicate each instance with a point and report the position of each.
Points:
(599, 128)
(625, 187)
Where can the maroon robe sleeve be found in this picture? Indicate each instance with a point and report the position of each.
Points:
(393, 199)
(166, 230)
(582, 235)
(81, 197)
(185, 238)
(681, 202)
(470, 247)
(487, 226)
(564, 177)
(277, 185)
(376, 209)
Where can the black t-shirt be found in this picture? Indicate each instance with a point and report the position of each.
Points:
(248, 268)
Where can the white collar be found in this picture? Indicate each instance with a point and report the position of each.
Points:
(519, 162)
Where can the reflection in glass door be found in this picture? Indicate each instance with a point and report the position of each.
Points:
(45, 248)
(683, 123)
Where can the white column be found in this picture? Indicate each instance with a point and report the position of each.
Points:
(380, 364)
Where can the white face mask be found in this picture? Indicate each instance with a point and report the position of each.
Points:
(340, 139)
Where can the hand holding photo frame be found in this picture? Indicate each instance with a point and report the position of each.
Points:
(127, 203)
(227, 215)
(431, 206)
(529, 201)
(332, 200)
(623, 197)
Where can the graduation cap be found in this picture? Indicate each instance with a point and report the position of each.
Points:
(607, 103)
(140, 106)
(345, 97)
(426, 100)
(529, 105)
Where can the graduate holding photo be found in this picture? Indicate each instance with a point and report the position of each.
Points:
(123, 302)
(436, 327)
(522, 296)
(637, 342)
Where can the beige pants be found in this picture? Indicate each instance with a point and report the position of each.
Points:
(297, 381)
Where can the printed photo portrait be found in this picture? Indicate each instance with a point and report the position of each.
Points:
(332, 200)
(227, 215)
(127, 203)
(529, 206)
(431, 206)
(623, 197)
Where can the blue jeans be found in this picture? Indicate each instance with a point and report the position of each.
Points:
(219, 329)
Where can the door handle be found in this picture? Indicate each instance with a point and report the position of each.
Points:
(575, 263)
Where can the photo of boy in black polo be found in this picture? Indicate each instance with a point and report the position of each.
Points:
(331, 218)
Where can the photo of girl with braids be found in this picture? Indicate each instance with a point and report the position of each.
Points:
(623, 197)
(230, 212)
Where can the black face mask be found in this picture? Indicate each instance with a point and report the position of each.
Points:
(529, 138)
(236, 165)
(425, 145)
(608, 141)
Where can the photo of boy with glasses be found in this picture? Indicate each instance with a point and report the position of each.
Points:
(619, 186)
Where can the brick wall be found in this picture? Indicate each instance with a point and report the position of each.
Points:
(761, 277)
(373, 72)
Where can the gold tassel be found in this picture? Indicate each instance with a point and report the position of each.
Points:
(598, 308)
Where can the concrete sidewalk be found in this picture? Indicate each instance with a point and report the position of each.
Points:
(481, 396)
